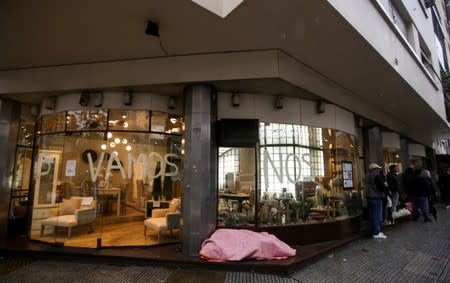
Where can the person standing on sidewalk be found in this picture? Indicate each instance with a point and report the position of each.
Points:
(420, 191)
(393, 181)
(431, 192)
(386, 211)
(444, 185)
(374, 193)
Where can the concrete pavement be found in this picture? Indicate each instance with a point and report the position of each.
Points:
(413, 252)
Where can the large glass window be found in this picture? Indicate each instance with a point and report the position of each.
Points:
(392, 156)
(307, 175)
(97, 181)
(237, 187)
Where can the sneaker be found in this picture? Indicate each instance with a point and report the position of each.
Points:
(448, 206)
(381, 233)
(379, 236)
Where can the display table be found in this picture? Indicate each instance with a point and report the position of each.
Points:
(330, 210)
(113, 192)
(239, 196)
(229, 198)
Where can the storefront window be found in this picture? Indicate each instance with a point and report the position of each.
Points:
(96, 187)
(237, 187)
(307, 175)
(126, 120)
(53, 123)
(92, 120)
(392, 156)
(21, 178)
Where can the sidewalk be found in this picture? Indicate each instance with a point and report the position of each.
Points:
(413, 252)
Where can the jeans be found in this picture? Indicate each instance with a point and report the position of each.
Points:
(422, 204)
(395, 196)
(375, 206)
(384, 208)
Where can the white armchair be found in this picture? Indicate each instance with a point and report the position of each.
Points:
(164, 219)
(170, 222)
(72, 212)
(174, 206)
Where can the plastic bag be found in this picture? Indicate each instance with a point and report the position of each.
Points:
(388, 201)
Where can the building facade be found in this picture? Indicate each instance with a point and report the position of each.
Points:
(210, 114)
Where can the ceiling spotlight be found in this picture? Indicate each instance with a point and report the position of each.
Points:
(152, 29)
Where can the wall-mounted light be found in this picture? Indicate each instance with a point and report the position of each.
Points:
(152, 29)
(279, 102)
(50, 103)
(235, 100)
(34, 110)
(360, 121)
(127, 97)
(171, 103)
(84, 99)
(320, 107)
(97, 99)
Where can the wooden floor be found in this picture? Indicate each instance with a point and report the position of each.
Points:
(126, 230)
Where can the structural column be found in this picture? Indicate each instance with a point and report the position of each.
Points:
(404, 153)
(373, 146)
(9, 118)
(200, 172)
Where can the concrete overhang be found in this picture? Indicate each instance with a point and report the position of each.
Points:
(304, 46)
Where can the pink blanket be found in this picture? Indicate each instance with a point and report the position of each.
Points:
(236, 245)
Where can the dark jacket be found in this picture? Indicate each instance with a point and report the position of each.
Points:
(420, 187)
(374, 185)
(393, 182)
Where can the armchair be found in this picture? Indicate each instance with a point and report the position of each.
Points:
(164, 219)
(174, 206)
(171, 221)
(72, 212)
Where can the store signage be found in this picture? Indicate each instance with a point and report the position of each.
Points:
(281, 169)
(71, 168)
(347, 175)
(114, 163)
